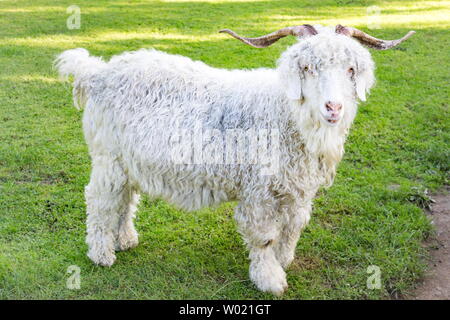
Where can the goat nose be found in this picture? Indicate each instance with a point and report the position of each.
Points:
(333, 107)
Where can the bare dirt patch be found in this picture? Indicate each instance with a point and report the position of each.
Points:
(436, 283)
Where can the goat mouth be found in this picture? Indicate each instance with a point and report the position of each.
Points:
(332, 121)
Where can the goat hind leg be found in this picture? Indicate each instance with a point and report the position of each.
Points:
(127, 236)
(106, 200)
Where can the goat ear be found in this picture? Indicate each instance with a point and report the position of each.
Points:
(361, 88)
(293, 86)
(288, 68)
(294, 90)
(364, 82)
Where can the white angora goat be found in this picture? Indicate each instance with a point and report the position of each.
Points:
(147, 114)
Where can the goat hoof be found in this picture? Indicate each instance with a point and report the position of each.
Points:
(286, 262)
(269, 278)
(127, 241)
(102, 259)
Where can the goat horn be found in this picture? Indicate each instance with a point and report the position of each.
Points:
(268, 39)
(370, 41)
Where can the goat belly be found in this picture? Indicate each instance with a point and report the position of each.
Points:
(183, 193)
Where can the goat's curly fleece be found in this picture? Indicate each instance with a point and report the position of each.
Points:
(135, 104)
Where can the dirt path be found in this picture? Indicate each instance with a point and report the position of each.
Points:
(436, 284)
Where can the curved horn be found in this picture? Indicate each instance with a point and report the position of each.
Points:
(268, 39)
(370, 41)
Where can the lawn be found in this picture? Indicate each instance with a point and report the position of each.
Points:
(372, 215)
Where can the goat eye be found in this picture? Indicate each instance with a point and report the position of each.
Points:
(305, 69)
(351, 71)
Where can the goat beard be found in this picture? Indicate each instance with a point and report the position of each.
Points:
(323, 142)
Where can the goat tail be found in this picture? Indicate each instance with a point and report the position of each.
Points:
(78, 63)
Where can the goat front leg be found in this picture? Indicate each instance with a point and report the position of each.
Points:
(260, 230)
(296, 220)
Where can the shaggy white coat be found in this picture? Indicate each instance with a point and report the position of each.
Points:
(135, 104)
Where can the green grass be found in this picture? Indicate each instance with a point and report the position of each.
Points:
(372, 215)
